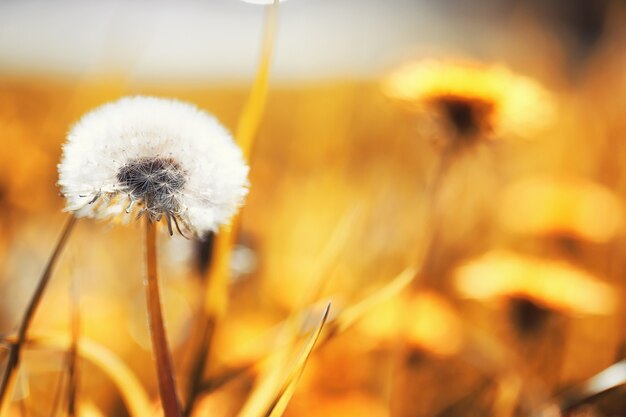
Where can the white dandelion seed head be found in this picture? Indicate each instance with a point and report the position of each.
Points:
(156, 157)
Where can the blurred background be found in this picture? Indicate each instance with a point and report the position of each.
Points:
(478, 144)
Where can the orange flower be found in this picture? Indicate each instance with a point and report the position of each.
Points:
(554, 284)
(474, 100)
(570, 207)
(425, 320)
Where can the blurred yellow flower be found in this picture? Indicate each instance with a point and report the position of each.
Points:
(431, 324)
(551, 283)
(424, 320)
(475, 100)
(570, 207)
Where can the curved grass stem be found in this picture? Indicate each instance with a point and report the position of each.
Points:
(133, 394)
(162, 356)
(8, 378)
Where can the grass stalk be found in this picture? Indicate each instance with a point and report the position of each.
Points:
(72, 369)
(13, 362)
(198, 366)
(133, 394)
(216, 291)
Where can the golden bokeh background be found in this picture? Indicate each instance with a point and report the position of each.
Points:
(494, 181)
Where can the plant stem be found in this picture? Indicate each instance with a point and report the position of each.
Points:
(216, 289)
(161, 353)
(250, 118)
(199, 365)
(8, 379)
(434, 223)
(72, 369)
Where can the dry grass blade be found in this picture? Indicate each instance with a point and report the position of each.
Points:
(612, 377)
(275, 368)
(253, 111)
(200, 358)
(134, 395)
(321, 271)
(344, 320)
(507, 396)
(351, 314)
(8, 379)
(72, 389)
(278, 406)
(276, 374)
(247, 127)
(271, 371)
(216, 291)
(58, 394)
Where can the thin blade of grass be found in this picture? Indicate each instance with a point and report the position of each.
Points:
(271, 372)
(58, 391)
(255, 106)
(271, 380)
(247, 127)
(321, 271)
(507, 396)
(351, 314)
(344, 320)
(612, 377)
(279, 405)
(7, 384)
(216, 291)
(72, 371)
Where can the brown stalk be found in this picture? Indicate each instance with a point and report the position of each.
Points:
(8, 378)
(198, 366)
(161, 353)
(72, 368)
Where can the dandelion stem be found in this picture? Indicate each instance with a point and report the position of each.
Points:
(433, 192)
(8, 378)
(161, 353)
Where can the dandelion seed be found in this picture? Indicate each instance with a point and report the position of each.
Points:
(474, 101)
(155, 157)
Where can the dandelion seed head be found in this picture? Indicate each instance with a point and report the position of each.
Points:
(155, 157)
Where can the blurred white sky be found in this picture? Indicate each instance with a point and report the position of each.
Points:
(220, 39)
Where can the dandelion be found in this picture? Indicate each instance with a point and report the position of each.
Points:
(154, 157)
(473, 100)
